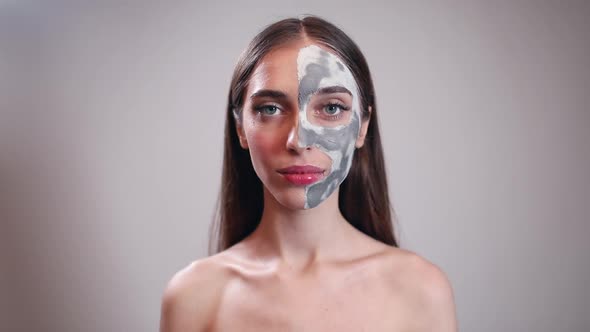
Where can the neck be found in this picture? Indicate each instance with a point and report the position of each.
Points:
(299, 238)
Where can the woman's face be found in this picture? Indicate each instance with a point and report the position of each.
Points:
(301, 121)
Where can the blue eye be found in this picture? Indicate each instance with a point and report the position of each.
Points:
(332, 109)
(267, 109)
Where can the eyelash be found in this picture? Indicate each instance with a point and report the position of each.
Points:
(260, 109)
(339, 115)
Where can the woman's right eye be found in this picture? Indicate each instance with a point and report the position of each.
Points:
(267, 109)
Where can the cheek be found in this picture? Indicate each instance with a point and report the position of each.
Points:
(263, 144)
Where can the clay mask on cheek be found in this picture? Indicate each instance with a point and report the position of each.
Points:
(317, 69)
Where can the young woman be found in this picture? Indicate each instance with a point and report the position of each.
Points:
(304, 232)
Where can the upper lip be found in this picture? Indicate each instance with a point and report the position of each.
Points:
(300, 169)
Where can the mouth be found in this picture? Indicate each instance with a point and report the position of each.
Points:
(302, 175)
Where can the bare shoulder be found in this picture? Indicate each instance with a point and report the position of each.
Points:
(426, 290)
(191, 296)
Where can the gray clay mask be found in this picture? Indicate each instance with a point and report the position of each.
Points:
(318, 69)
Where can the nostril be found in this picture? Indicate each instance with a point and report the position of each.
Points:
(294, 141)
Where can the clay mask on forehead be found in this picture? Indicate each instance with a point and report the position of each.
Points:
(317, 69)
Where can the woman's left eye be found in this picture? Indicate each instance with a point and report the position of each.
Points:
(332, 109)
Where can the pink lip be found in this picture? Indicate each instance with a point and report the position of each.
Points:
(302, 175)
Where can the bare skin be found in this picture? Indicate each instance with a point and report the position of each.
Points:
(303, 269)
(379, 288)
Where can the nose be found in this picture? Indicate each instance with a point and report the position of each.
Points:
(293, 142)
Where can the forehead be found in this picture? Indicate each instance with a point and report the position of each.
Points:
(315, 56)
(283, 67)
(318, 68)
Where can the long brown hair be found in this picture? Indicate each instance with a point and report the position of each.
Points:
(363, 198)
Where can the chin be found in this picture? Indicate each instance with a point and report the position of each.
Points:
(292, 198)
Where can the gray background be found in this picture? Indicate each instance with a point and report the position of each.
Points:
(111, 140)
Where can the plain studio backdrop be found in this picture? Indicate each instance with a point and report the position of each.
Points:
(111, 145)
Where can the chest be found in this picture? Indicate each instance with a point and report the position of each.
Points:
(356, 301)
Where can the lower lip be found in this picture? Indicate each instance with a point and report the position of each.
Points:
(302, 179)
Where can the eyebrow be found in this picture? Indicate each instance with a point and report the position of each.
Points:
(333, 89)
(269, 93)
(281, 95)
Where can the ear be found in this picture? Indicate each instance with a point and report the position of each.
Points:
(240, 132)
(360, 141)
